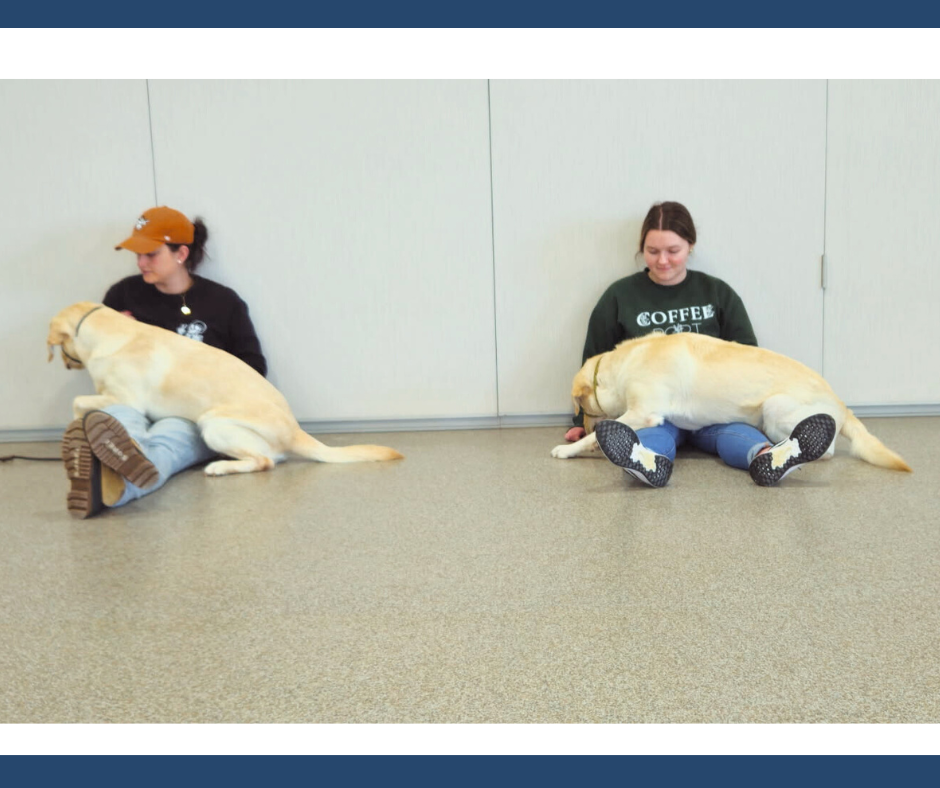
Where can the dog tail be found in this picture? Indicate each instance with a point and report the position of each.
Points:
(305, 445)
(867, 447)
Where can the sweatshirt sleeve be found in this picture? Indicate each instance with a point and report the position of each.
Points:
(604, 329)
(243, 341)
(735, 323)
(114, 298)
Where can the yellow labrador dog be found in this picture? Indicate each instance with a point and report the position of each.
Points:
(239, 413)
(693, 381)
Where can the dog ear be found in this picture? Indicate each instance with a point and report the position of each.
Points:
(62, 329)
(578, 394)
(57, 335)
(581, 390)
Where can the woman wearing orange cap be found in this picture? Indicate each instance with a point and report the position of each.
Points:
(169, 294)
(127, 456)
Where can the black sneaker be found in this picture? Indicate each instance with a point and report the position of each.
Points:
(111, 444)
(809, 441)
(622, 447)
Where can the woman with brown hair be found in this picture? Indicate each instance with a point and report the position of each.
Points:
(116, 455)
(667, 298)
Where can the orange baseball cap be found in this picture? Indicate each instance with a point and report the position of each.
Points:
(156, 227)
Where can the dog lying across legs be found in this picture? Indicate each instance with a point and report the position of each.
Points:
(694, 381)
(239, 413)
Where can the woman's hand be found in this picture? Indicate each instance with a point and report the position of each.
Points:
(574, 434)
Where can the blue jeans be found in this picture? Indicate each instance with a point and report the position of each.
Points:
(736, 443)
(172, 445)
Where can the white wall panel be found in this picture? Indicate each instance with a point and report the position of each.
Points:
(354, 218)
(882, 218)
(576, 166)
(75, 168)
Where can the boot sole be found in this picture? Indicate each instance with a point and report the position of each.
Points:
(84, 473)
(114, 447)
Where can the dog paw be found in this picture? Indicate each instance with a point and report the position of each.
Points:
(562, 452)
(217, 468)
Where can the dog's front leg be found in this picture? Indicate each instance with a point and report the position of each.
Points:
(568, 450)
(634, 419)
(639, 420)
(89, 402)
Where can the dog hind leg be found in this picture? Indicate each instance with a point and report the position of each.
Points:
(781, 413)
(250, 451)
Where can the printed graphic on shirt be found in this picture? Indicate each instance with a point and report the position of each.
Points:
(672, 321)
(195, 330)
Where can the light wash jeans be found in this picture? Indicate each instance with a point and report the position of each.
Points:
(172, 445)
(736, 443)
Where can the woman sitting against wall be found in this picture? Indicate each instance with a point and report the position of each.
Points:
(116, 455)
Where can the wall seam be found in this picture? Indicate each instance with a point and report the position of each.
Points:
(153, 156)
(826, 261)
(489, 124)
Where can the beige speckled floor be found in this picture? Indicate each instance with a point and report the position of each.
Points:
(479, 580)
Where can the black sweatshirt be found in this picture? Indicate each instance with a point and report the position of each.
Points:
(217, 315)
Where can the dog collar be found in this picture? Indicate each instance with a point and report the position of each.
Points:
(594, 392)
(72, 358)
(101, 306)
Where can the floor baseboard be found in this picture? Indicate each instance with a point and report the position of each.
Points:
(46, 434)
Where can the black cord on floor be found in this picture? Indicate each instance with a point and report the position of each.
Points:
(20, 457)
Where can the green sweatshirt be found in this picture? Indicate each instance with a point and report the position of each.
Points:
(635, 306)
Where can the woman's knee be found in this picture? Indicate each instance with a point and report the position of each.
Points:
(661, 440)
